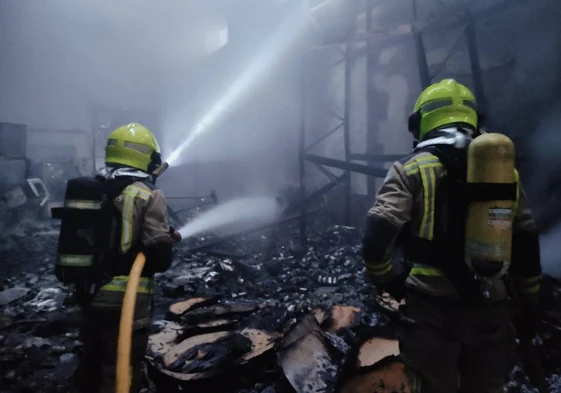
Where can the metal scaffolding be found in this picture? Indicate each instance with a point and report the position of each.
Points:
(453, 14)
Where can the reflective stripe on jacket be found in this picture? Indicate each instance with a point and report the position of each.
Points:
(143, 217)
(119, 284)
(144, 223)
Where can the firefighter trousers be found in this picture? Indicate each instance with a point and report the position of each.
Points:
(96, 372)
(448, 349)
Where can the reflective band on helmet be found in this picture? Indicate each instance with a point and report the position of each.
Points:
(138, 147)
(74, 260)
(434, 105)
(119, 284)
(82, 205)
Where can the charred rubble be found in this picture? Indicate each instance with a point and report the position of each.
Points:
(248, 316)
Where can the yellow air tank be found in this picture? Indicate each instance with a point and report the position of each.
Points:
(489, 222)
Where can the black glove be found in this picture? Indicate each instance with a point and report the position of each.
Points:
(175, 235)
(396, 289)
(396, 285)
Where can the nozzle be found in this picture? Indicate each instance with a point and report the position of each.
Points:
(161, 169)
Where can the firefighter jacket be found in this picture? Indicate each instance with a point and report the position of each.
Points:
(139, 224)
(406, 210)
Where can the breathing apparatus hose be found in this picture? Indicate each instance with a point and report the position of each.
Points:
(125, 327)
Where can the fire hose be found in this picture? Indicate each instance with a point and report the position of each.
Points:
(125, 327)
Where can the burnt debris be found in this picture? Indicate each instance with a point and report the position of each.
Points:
(253, 317)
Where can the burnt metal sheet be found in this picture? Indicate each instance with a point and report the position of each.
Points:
(388, 377)
(261, 342)
(189, 377)
(375, 350)
(216, 323)
(180, 349)
(162, 342)
(181, 308)
(321, 315)
(306, 358)
(223, 310)
(211, 326)
(341, 317)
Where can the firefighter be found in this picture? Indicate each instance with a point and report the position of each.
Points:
(457, 336)
(140, 223)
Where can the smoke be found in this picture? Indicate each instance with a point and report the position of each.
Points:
(549, 250)
(170, 62)
(543, 184)
(241, 212)
(60, 56)
(264, 58)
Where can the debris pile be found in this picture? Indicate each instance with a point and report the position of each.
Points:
(225, 345)
(249, 317)
(330, 272)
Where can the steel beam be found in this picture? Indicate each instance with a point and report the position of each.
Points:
(450, 53)
(302, 153)
(347, 166)
(327, 173)
(371, 37)
(347, 137)
(325, 136)
(421, 60)
(431, 24)
(377, 157)
(475, 65)
(420, 52)
(291, 208)
(188, 197)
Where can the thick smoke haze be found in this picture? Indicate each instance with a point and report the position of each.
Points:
(60, 56)
(265, 57)
(174, 60)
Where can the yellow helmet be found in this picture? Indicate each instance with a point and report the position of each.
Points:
(443, 103)
(133, 145)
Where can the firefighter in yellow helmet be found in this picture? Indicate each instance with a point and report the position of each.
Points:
(139, 223)
(459, 337)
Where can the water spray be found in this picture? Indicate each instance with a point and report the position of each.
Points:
(240, 211)
(270, 54)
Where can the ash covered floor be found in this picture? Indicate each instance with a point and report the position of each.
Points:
(291, 321)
